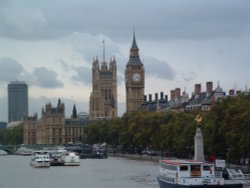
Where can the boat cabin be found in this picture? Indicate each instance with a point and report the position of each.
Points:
(188, 172)
(196, 173)
(186, 168)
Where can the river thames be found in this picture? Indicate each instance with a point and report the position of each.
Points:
(113, 172)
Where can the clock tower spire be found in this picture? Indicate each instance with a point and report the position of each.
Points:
(134, 82)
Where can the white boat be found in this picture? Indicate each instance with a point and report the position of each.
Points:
(24, 151)
(56, 157)
(180, 173)
(40, 159)
(70, 158)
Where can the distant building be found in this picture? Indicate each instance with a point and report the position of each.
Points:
(103, 98)
(53, 127)
(74, 126)
(17, 101)
(200, 100)
(30, 130)
(158, 104)
(134, 79)
(204, 100)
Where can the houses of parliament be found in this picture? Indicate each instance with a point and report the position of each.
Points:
(103, 99)
(54, 128)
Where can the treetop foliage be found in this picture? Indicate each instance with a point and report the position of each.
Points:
(226, 130)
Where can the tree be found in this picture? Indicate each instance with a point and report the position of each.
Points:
(12, 136)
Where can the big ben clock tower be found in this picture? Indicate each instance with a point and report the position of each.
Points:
(134, 75)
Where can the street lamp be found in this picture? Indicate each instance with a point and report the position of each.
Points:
(162, 152)
(228, 156)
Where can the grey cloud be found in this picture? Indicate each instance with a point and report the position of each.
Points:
(83, 75)
(189, 76)
(65, 65)
(24, 19)
(92, 47)
(159, 19)
(157, 68)
(21, 21)
(11, 70)
(46, 78)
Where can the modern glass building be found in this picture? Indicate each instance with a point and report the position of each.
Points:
(17, 100)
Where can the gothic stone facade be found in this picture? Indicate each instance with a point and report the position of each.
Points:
(52, 127)
(103, 98)
(135, 81)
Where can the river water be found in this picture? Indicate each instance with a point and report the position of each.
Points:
(114, 172)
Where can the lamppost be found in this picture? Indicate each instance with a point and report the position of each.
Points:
(162, 152)
(188, 153)
(174, 151)
(228, 156)
(247, 164)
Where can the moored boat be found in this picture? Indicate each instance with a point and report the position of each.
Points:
(40, 159)
(70, 158)
(190, 173)
(24, 151)
(56, 157)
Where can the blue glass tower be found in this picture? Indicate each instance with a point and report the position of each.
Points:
(17, 101)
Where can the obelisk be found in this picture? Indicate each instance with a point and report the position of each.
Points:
(198, 141)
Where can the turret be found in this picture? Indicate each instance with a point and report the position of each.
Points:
(134, 57)
(74, 112)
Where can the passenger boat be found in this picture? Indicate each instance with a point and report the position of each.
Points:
(56, 157)
(190, 173)
(70, 158)
(40, 159)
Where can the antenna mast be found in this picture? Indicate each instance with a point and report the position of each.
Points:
(103, 41)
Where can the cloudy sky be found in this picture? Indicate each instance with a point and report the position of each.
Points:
(50, 45)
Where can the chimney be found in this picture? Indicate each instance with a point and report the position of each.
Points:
(177, 92)
(150, 97)
(162, 95)
(231, 92)
(172, 94)
(197, 89)
(156, 96)
(209, 87)
(166, 97)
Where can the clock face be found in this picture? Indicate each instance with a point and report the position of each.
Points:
(136, 77)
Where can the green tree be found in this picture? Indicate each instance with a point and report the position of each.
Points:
(12, 136)
(227, 128)
(114, 130)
